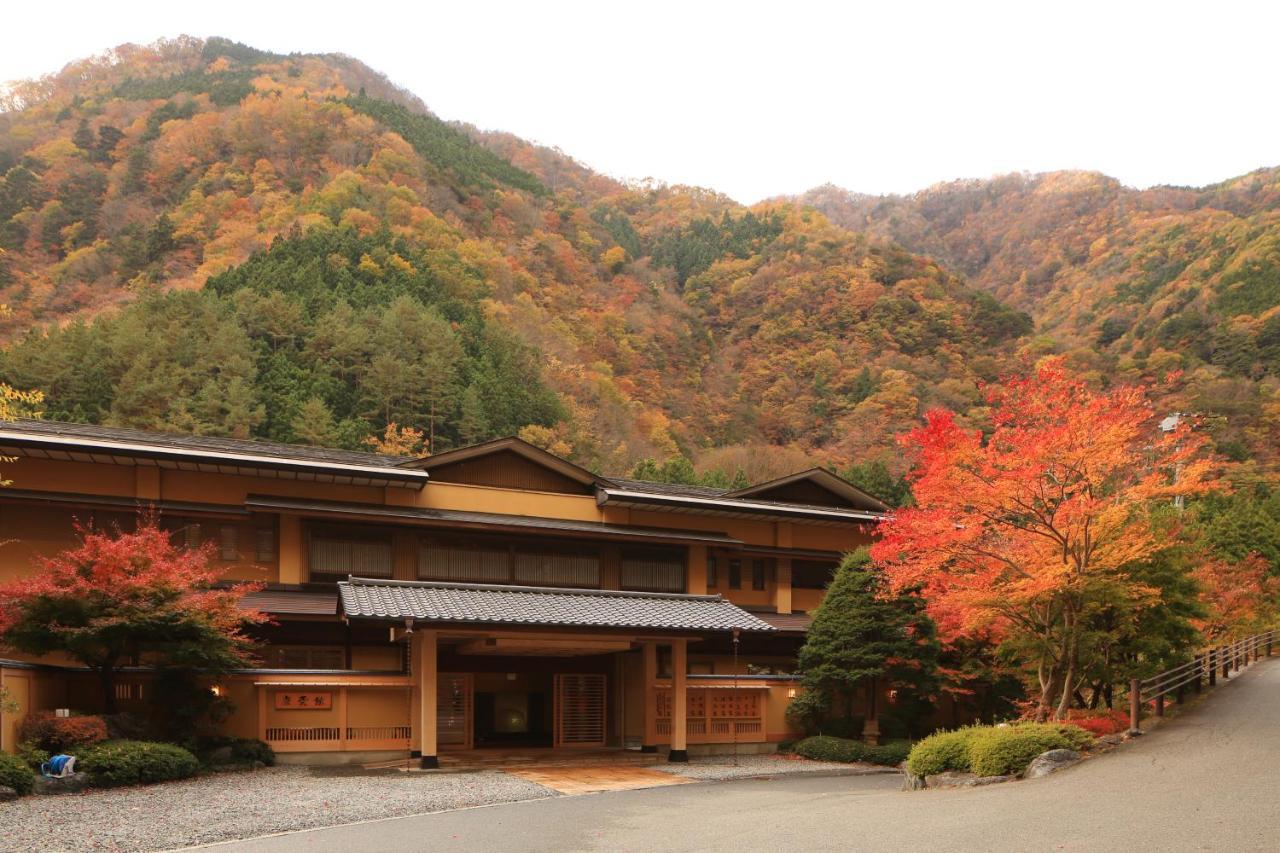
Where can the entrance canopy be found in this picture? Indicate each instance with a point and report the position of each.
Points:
(491, 604)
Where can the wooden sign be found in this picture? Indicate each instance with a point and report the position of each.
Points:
(292, 701)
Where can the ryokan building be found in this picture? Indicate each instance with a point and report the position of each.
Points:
(491, 595)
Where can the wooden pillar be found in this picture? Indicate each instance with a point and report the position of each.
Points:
(679, 702)
(342, 719)
(696, 570)
(426, 661)
(262, 713)
(290, 549)
(1213, 668)
(649, 673)
(782, 588)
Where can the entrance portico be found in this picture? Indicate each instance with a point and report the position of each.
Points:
(578, 644)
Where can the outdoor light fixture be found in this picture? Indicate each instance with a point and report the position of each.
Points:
(215, 690)
(791, 693)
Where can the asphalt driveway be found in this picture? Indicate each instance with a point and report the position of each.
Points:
(1207, 780)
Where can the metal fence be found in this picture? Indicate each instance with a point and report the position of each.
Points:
(1204, 667)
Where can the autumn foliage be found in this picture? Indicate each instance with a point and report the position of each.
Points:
(1022, 532)
(128, 597)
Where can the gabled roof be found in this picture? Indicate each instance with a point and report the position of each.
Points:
(89, 443)
(823, 479)
(511, 444)
(491, 604)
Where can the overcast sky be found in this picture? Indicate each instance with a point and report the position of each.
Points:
(762, 99)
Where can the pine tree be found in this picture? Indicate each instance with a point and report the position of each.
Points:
(863, 639)
(314, 424)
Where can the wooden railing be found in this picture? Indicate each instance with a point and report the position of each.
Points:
(1194, 673)
(296, 734)
(379, 732)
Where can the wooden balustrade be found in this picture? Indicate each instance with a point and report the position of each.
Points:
(715, 715)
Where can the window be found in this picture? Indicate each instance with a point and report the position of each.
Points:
(653, 571)
(265, 545)
(342, 554)
(810, 574)
(496, 561)
(469, 563)
(735, 574)
(557, 568)
(758, 574)
(227, 542)
(712, 580)
(305, 657)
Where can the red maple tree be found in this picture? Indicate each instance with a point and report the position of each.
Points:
(129, 597)
(1015, 534)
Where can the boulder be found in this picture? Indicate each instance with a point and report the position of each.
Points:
(992, 780)
(950, 779)
(912, 782)
(1112, 740)
(1050, 762)
(73, 784)
(7, 794)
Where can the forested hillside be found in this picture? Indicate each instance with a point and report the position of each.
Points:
(1127, 282)
(201, 236)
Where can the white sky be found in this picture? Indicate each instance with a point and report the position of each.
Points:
(758, 99)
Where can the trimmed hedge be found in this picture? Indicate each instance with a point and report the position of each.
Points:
(993, 750)
(234, 750)
(135, 762)
(827, 748)
(941, 752)
(15, 774)
(61, 734)
(1007, 751)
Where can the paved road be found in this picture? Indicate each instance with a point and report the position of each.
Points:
(1208, 780)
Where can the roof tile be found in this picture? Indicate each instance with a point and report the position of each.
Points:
(519, 605)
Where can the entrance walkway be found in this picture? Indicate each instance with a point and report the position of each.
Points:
(589, 780)
(505, 758)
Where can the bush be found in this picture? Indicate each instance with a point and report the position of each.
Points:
(15, 774)
(827, 748)
(136, 762)
(31, 755)
(1007, 750)
(889, 754)
(61, 734)
(1099, 723)
(234, 750)
(941, 752)
(1080, 739)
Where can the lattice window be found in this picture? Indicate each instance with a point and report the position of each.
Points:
(453, 709)
(580, 710)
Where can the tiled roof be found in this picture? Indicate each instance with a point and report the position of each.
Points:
(290, 602)
(206, 443)
(674, 489)
(521, 605)
(793, 622)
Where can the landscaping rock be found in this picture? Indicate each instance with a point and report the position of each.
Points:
(1050, 762)
(73, 784)
(992, 780)
(956, 779)
(7, 794)
(912, 782)
(950, 779)
(1112, 740)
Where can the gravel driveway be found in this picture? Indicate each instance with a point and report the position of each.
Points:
(241, 805)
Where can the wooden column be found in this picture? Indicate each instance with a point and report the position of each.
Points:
(425, 659)
(679, 702)
(782, 587)
(290, 545)
(649, 674)
(696, 570)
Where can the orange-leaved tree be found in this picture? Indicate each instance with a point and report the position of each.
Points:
(1017, 534)
(119, 598)
(1238, 596)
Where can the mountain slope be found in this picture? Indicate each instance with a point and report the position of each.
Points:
(1130, 282)
(202, 236)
